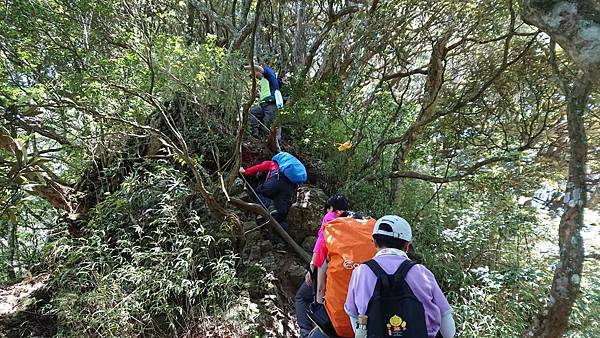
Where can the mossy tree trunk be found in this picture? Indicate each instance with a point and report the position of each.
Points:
(575, 26)
(554, 320)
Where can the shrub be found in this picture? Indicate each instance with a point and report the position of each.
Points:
(147, 264)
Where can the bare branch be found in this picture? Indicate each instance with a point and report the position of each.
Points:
(400, 75)
(257, 209)
(324, 32)
(425, 119)
(433, 85)
(243, 119)
(466, 172)
(216, 17)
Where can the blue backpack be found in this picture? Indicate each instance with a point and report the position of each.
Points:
(291, 167)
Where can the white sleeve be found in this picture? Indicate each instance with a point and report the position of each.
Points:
(448, 328)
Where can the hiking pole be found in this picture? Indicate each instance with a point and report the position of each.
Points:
(255, 194)
(270, 219)
(262, 204)
(255, 208)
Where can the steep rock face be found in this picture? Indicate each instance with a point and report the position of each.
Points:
(306, 213)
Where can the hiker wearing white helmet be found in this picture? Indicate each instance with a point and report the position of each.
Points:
(393, 295)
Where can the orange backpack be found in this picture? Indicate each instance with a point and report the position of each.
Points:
(350, 243)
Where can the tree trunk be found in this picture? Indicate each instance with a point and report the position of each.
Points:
(244, 13)
(396, 184)
(554, 320)
(191, 18)
(433, 85)
(300, 35)
(12, 245)
(575, 26)
(283, 53)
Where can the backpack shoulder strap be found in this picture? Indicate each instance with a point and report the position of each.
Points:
(400, 274)
(378, 271)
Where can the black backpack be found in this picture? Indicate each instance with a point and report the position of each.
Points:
(393, 310)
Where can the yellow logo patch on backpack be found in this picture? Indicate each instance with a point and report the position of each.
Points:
(396, 326)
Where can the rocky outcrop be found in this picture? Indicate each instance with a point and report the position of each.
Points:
(309, 243)
(306, 213)
(20, 309)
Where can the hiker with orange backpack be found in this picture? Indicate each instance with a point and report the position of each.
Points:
(335, 206)
(348, 243)
(395, 296)
(284, 173)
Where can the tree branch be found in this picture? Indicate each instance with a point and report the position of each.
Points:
(216, 17)
(572, 24)
(257, 209)
(446, 179)
(422, 122)
(324, 32)
(400, 75)
(243, 119)
(433, 84)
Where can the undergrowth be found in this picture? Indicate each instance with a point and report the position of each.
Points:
(147, 265)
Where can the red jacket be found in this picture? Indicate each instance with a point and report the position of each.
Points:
(270, 166)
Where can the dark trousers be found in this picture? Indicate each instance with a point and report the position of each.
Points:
(304, 296)
(265, 113)
(277, 191)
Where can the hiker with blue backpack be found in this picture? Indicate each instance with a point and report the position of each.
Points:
(270, 99)
(391, 296)
(284, 173)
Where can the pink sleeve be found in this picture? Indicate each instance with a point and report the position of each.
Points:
(328, 218)
(321, 256)
(320, 241)
(320, 248)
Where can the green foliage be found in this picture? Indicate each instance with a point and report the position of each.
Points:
(147, 265)
(84, 81)
(498, 303)
(480, 248)
(25, 223)
(586, 312)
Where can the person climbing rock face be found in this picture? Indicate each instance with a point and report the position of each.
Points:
(335, 206)
(284, 173)
(265, 112)
(398, 297)
(348, 243)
